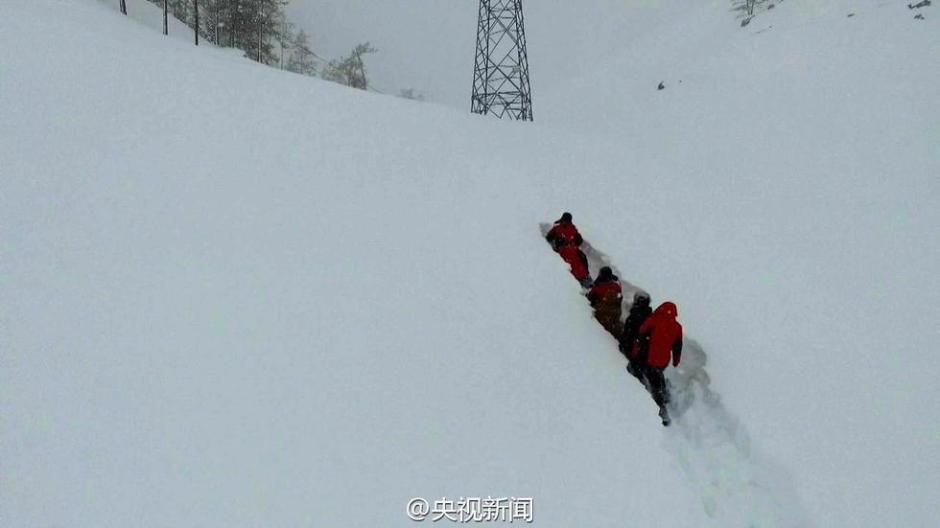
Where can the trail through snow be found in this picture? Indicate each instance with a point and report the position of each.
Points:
(738, 485)
(223, 311)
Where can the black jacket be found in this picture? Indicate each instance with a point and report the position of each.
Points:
(631, 327)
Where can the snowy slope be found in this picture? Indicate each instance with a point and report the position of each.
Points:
(220, 313)
(228, 314)
(786, 185)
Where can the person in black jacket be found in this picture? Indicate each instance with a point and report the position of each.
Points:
(630, 343)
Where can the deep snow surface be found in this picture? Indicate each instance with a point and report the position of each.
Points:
(787, 183)
(220, 312)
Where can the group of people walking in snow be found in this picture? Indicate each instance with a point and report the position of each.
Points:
(649, 339)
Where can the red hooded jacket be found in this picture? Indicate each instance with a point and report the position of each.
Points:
(605, 293)
(564, 234)
(576, 259)
(665, 336)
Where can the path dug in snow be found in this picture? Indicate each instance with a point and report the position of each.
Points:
(223, 313)
(738, 486)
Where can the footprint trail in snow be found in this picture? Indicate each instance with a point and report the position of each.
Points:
(739, 487)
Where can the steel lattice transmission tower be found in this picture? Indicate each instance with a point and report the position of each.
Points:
(501, 70)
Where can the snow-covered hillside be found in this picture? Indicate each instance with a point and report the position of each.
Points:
(800, 157)
(215, 312)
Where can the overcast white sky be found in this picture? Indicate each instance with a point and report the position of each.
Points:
(429, 44)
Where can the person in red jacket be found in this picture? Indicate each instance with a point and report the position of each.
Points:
(564, 233)
(577, 262)
(566, 240)
(606, 297)
(661, 336)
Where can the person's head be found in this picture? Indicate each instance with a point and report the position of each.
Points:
(565, 218)
(605, 273)
(668, 309)
(641, 298)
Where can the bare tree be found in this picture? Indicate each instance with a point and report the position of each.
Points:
(748, 8)
(302, 58)
(284, 36)
(261, 31)
(270, 17)
(253, 26)
(351, 70)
